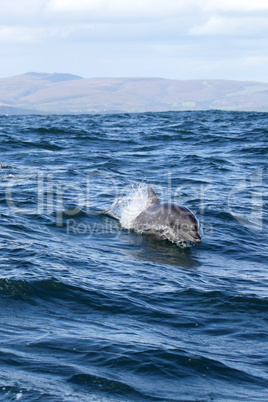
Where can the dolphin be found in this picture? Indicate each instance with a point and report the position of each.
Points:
(167, 221)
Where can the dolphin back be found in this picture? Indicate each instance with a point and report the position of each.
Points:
(168, 221)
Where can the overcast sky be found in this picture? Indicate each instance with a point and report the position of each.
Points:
(180, 39)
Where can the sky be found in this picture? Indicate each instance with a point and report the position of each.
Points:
(175, 39)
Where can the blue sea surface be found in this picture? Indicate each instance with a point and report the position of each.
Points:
(91, 310)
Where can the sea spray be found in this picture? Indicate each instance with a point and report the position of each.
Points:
(127, 208)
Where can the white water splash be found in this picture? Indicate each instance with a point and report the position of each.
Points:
(127, 208)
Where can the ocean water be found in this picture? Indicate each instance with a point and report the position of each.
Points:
(91, 310)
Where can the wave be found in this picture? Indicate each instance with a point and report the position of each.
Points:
(157, 304)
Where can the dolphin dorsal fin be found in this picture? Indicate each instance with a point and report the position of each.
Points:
(152, 197)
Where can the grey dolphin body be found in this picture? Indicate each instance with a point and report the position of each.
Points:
(167, 221)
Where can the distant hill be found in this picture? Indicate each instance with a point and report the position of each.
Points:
(16, 110)
(67, 93)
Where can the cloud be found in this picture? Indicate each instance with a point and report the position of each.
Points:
(32, 35)
(168, 38)
(230, 26)
(151, 6)
(167, 18)
(18, 34)
(234, 5)
(20, 12)
(116, 10)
